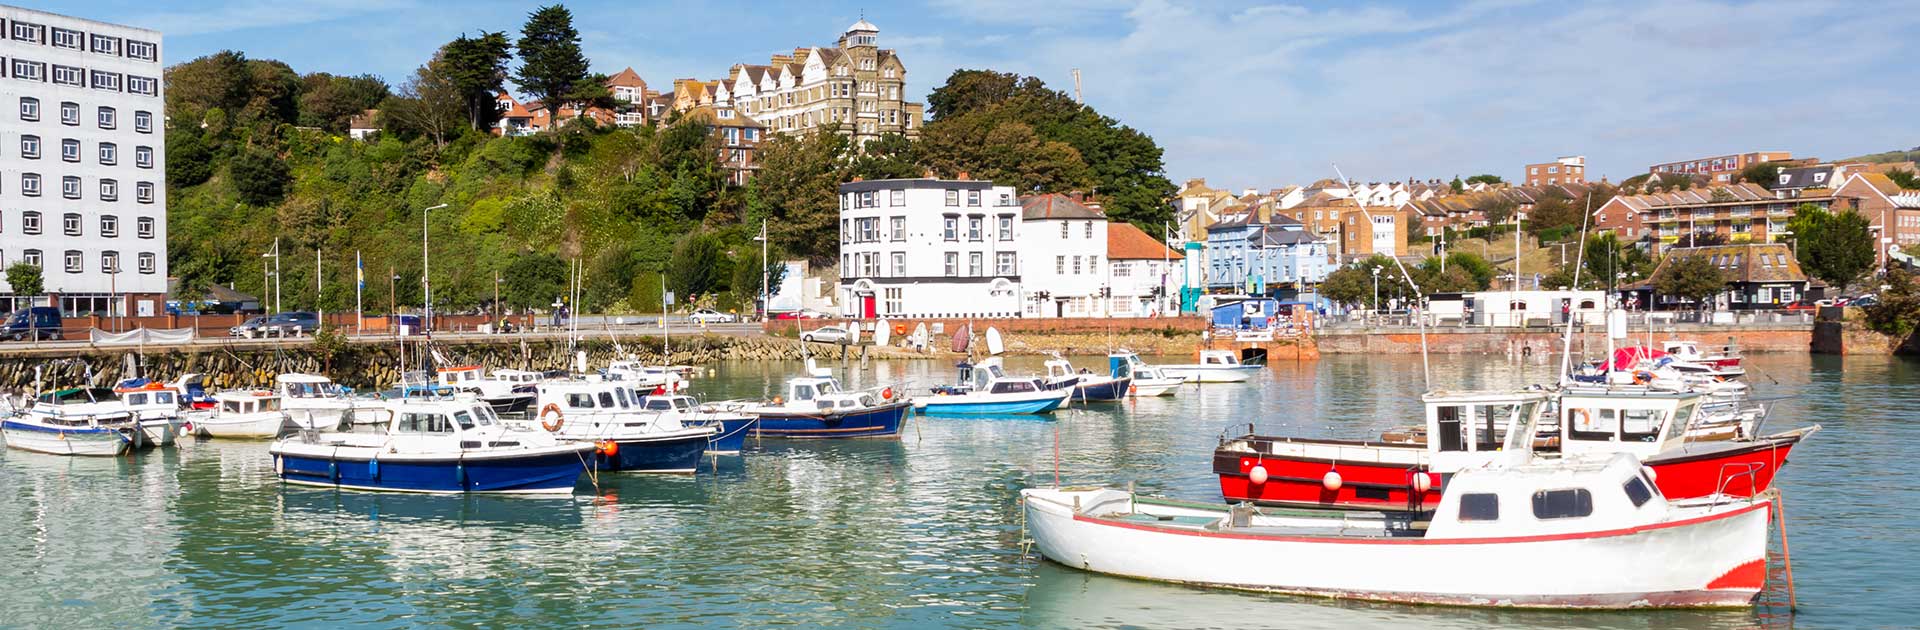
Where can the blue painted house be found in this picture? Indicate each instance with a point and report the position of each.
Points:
(1244, 255)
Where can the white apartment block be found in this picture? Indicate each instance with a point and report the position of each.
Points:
(83, 162)
(1063, 248)
(929, 248)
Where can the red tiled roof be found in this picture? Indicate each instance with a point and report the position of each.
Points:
(1126, 242)
(626, 78)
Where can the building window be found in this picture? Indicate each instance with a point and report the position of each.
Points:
(143, 192)
(898, 227)
(899, 260)
(143, 51)
(106, 45)
(953, 264)
(70, 223)
(1003, 263)
(29, 109)
(110, 262)
(149, 263)
(143, 121)
(952, 229)
(143, 227)
(893, 300)
(1076, 265)
(31, 257)
(144, 86)
(109, 81)
(70, 150)
(143, 157)
(1060, 265)
(1089, 229)
(109, 154)
(26, 32)
(66, 38)
(109, 190)
(973, 198)
(74, 262)
(30, 222)
(69, 75)
(866, 199)
(109, 226)
(953, 198)
(1063, 230)
(70, 187)
(107, 118)
(1006, 228)
(30, 184)
(973, 229)
(976, 265)
(896, 197)
(69, 113)
(30, 147)
(29, 70)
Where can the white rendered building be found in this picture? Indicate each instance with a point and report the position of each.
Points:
(929, 248)
(1063, 249)
(83, 161)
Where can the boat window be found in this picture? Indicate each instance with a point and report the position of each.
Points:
(1479, 506)
(606, 400)
(621, 394)
(1642, 425)
(1448, 418)
(1568, 503)
(465, 419)
(829, 387)
(1122, 370)
(580, 400)
(483, 416)
(1517, 440)
(230, 406)
(1591, 424)
(659, 405)
(803, 392)
(1637, 492)
(1486, 429)
(136, 399)
(415, 422)
(1008, 387)
(682, 403)
(269, 404)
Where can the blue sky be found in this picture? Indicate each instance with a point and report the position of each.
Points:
(1246, 94)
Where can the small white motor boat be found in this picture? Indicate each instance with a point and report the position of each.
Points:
(75, 421)
(1578, 532)
(156, 406)
(1148, 380)
(254, 414)
(316, 403)
(1215, 366)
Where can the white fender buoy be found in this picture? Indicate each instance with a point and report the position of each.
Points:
(1422, 482)
(1258, 475)
(1331, 480)
(1651, 475)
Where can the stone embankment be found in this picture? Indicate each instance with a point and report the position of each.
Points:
(1398, 340)
(377, 364)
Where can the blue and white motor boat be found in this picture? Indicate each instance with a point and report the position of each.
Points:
(1086, 385)
(444, 446)
(817, 407)
(610, 415)
(986, 389)
(75, 421)
(731, 427)
(1148, 380)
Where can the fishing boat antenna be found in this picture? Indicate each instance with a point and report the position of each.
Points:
(1426, 367)
(1579, 262)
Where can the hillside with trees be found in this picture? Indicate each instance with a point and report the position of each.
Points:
(258, 152)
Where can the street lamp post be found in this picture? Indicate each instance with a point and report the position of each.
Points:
(765, 307)
(426, 280)
(1376, 289)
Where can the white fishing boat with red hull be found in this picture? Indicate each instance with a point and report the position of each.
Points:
(1581, 532)
(1478, 428)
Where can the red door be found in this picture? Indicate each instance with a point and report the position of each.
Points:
(866, 307)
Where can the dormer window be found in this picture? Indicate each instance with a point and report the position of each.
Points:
(1784, 177)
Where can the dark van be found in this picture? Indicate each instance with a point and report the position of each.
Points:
(35, 323)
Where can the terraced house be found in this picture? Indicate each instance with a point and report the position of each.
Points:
(855, 84)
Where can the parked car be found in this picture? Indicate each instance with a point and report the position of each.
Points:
(277, 325)
(1801, 305)
(250, 328)
(1865, 300)
(710, 316)
(32, 323)
(827, 334)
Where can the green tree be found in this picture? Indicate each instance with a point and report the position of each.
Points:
(1485, 178)
(1457, 185)
(330, 102)
(1899, 309)
(797, 191)
(475, 68)
(747, 273)
(189, 161)
(1609, 260)
(1004, 152)
(1766, 174)
(216, 81)
(1836, 248)
(699, 267)
(533, 278)
(1906, 179)
(891, 156)
(1691, 277)
(26, 279)
(551, 64)
(1553, 212)
(429, 105)
(1355, 283)
(1478, 272)
(260, 177)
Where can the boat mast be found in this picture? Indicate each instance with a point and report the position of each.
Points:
(1426, 366)
(1579, 261)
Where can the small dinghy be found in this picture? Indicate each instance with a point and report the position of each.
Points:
(248, 414)
(434, 446)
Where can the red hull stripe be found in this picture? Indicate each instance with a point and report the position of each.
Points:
(1608, 533)
(1749, 576)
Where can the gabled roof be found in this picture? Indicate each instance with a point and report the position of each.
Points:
(1126, 242)
(1056, 206)
(515, 111)
(365, 120)
(1752, 262)
(1274, 236)
(626, 78)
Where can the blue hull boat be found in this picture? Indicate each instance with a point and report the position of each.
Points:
(933, 406)
(732, 437)
(554, 471)
(879, 421)
(675, 454)
(1105, 390)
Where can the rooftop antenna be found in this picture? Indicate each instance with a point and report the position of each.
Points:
(1076, 88)
(1426, 367)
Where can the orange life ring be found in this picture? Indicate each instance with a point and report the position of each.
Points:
(1586, 418)
(1642, 378)
(559, 419)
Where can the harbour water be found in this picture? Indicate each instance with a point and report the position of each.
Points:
(917, 533)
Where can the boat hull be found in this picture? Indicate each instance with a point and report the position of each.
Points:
(1378, 476)
(513, 404)
(732, 436)
(993, 404)
(88, 441)
(1098, 389)
(1145, 388)
(548, 470)
(882, 421)
(1716, 560)
(160, 430)
(665, 454)
(253, 427)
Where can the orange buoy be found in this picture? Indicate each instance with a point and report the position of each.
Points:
(609, 448)
(887, 393)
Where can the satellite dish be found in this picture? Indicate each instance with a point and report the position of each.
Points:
(962, 337)
(919, 334)
(995, 345)
(882, 333)
(853, 333)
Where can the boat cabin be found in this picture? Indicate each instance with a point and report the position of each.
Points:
(1470, 429)
(462, 377)
(588, 397)
(149, 396)
(80, 406)
(247, 402)
(1547, 497)
(1218, 358)
(308, 386)
(517, 378)
(441, 418)
(1638, 421)
(670, 402)
(1060, 372)
(823, 394)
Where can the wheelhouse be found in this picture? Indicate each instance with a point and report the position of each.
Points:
(248, 402)
(1221, 358)
(1467, 429)
(1642, 422)
(1545, 497)
(308, 386)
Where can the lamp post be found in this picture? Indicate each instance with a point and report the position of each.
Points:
(765, 307)
(393, 303)
(495, 317)
(1376, 289)
(426, 280)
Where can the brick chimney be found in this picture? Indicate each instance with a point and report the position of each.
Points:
(858, 178)
(962, 176)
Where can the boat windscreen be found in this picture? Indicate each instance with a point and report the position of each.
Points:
(465, 419)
